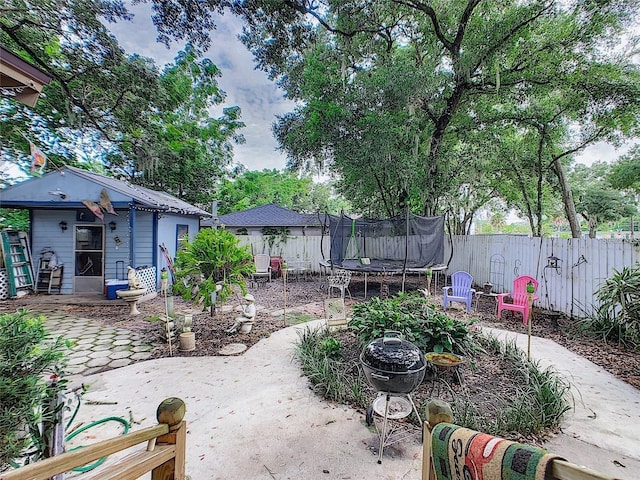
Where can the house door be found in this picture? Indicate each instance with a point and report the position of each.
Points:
(89, 259)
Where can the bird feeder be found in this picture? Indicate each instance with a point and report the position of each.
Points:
(552, 261)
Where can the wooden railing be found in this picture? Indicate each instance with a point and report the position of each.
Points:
(164, 455)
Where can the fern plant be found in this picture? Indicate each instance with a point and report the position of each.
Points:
(418, 321)
(214, 257)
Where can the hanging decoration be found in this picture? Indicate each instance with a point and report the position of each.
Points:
(105, 202)
(38, 160)
(94, 207)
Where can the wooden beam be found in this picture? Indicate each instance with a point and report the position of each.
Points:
(136, 465)
(52, 466)
(562, 470)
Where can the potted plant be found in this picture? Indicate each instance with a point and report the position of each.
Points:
(187, 337)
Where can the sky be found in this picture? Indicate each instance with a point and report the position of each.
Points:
(259, 98)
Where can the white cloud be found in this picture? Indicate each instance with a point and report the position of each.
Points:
(602, 151)
(258, 98)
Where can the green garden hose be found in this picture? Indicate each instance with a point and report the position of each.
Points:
(100, 461)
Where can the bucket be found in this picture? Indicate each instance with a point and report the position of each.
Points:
(187, 341)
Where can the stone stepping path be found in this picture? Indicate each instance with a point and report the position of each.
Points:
(95, 347)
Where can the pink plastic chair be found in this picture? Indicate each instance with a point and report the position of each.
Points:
(459, 291)
(519, 296)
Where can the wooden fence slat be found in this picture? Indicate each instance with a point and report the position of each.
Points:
(135, 465)
(569, 290)
(69, 460)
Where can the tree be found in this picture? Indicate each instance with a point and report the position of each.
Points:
(117, 108)
(184, 151)
(625, 173)
(444, 61)
(95, 85)
(598, 202)
(255, 188)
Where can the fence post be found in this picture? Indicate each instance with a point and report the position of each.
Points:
(438, 411)
(171, 412)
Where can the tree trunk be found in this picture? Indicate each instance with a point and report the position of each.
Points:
(567, 200)
(593, 226)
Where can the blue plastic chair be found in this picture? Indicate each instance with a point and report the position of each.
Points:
(459, 291)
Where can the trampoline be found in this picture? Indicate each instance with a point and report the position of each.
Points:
(399, 245)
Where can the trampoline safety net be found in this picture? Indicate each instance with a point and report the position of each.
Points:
(387, 245)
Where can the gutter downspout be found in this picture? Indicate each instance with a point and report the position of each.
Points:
(154, 236)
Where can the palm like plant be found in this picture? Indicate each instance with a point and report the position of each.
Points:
(619, 299)
(213, 258)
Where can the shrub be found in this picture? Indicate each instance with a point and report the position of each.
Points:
(617, 316)
(418, 321)
(214, 257)
(539, 400)
(320, 355)
(31, 376)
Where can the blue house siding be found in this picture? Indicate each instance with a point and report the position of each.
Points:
(143, 248)
(117, 247)
(46, 233)
(167, 233)
(145, 218)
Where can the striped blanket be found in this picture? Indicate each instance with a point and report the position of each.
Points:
(463, 454)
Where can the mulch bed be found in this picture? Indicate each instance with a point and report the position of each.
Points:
(306, 297)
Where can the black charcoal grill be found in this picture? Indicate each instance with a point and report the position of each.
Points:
(394, 367)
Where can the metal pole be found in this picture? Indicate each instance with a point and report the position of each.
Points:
(284, 294)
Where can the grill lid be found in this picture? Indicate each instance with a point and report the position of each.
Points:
(392, 354)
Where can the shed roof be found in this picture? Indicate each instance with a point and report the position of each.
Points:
(141, 197)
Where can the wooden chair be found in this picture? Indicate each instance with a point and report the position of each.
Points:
(263, 267)
(519, 297)
(459, 291)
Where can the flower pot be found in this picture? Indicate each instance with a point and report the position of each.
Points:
(187, 341)
(246, 327)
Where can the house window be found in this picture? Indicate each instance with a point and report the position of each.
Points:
(182, 234)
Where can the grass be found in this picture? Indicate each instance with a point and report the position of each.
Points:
(327, 372)
(539, 401)
(295, 318)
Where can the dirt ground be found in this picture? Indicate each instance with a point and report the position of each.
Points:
(304, 300)
(306, 297)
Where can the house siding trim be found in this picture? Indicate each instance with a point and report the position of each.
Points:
(132, 229)
(154, 234)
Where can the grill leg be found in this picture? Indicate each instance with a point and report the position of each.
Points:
(415, 409)
(383, 434)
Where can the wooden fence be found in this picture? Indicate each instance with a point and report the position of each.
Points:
(164, 455)
(582, 265)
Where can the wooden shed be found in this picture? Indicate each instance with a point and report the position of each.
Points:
(95, 226)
